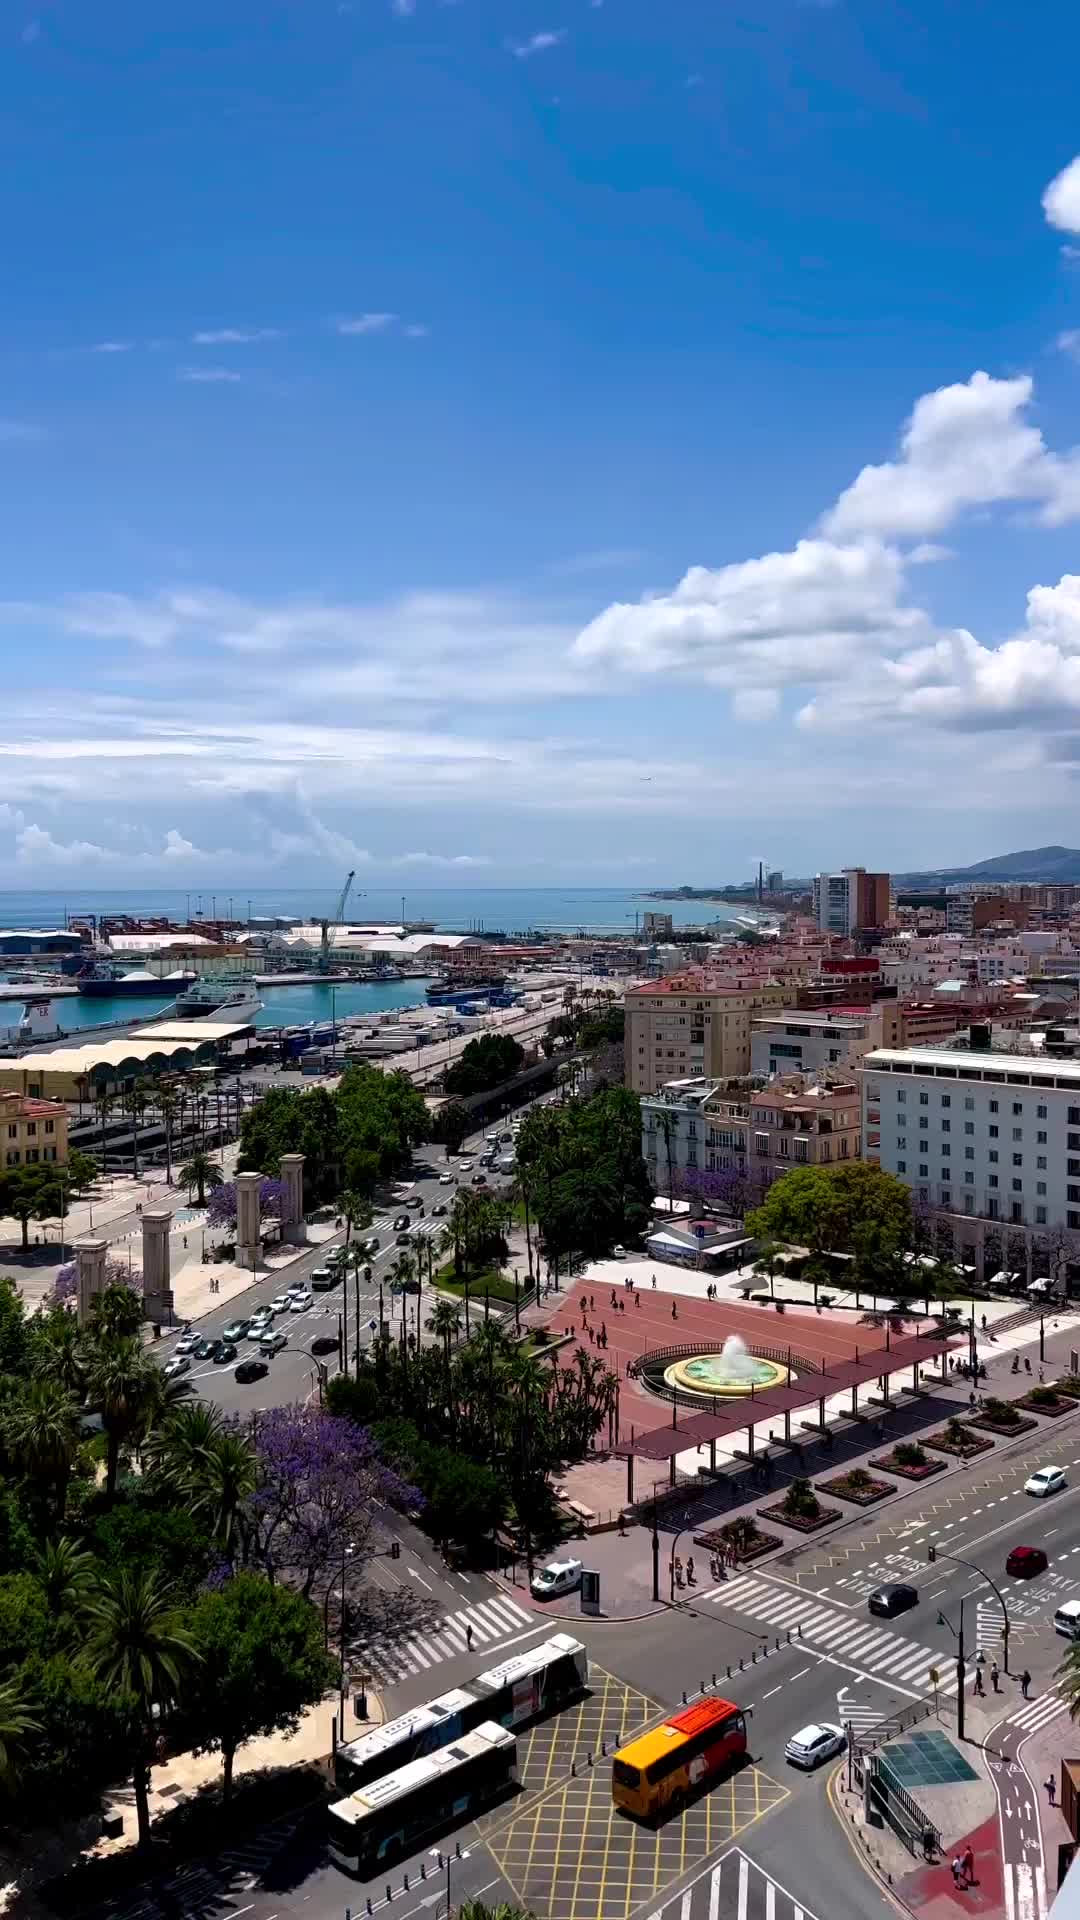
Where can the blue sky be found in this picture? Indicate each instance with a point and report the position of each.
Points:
(526, 441)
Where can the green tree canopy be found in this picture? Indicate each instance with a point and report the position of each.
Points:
(583, 1174)
(486, 1062)
(836, 1209)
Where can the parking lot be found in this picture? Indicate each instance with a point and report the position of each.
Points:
(565, 1848)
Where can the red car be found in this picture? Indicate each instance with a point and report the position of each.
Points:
(1025, 1562)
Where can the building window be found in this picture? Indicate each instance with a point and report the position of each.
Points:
(31, 1155)
(992, 1208)
(1072, 1221)
(1017, 1212)
(1040, 1216)
(13, 1156)
(923, 1123)
(1018, 1133)
(969, 1103)
(901, 1166)
(946, 1197)
(31, 1128)
(1040, 1139)
(969, 1126)
(969, 1176)
(992, 1156)
(946, 1149)
(993, 1106)
(946, 1126)
(1017, 1108)
(901, 1095)
(924, 1099)
(924, 1173)
(969, 1153)
(1018, 1186)
(50, 1126)
(1040, 1113)
(1040, 1160)
(13, 1133)
(993, 1132)
(992, 1181)
(946, 1099)
(1040, 1186)
(1074, 1116)
(1018, 1159)
(901, 1142)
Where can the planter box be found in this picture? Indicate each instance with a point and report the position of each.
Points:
(799, 1522)
(858, 1496)
(908, 1473)
(977, 1444)
(984, 1422)
(1052, 1410)
(1071, 1392)
(714, 1540)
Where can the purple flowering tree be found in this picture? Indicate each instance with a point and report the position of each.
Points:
(725, 1187)
(320, 1482)
(221, 1202)
(117, 1274)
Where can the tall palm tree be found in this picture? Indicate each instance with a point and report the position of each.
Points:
(200, 1171)
(668, 1127)
(444, 1321)
(43, 1430)
(222, 1486)
(135, 1102)
(16, 1721)
(167, 1100)
(121, 1383)
(139, 1649)
(65, 1573)
(61, 1353)
(104, 1103)
(179, 1446)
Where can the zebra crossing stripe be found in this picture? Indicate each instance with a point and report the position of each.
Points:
(1037, 1713)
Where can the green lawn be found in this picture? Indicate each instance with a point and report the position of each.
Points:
(489, 1281)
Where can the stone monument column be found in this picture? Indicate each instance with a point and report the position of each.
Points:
(292, 1176)
(248, 1238)
(157, 1288)
(90, 1256)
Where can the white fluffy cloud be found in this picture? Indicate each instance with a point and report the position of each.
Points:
(965, 446)
(1061, 201)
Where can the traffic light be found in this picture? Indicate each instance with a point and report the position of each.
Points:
(931, 1552)
(395, 1549)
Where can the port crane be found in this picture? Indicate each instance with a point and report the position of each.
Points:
(338, 916)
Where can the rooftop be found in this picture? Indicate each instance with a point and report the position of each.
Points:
(816, 1097)
(977, 1064)
(28, 1107)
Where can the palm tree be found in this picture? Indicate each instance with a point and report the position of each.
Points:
(16, 1721)
(200, 1172)
(167, 1103)
(668, 1126)
(139, 1650)
(357, 1214)
(444, 1321)
(104, 1103)
(65, 1573)
(476, 1910)
(43, 1430)
(122, 1382)
(221, 1488)
(135, 1099)
(61, 1353)
(180, 1445)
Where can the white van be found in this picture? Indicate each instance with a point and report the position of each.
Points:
(1067, 1620)
(559, 1576)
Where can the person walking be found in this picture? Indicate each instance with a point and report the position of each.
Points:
(967, 1863)
(1051, 1789)
(674, 1310)
(654, 1280)
(1025, 1684)
(995, 1678)
(690, 1571)
(979, 1689)
(957, 1870)
(468, 1637)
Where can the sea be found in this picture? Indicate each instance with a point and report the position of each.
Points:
(509, 910)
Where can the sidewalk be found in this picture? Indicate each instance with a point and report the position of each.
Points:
(1040, 1757)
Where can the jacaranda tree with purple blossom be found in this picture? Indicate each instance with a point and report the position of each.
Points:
(117, 1274)
(221, 1205)
(320, 1479)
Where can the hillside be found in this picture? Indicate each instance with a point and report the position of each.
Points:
(1034, 863)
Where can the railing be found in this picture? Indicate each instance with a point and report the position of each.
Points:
(914, 1829)
(882, 1731)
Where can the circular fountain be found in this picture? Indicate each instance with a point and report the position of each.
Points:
(726, 1375)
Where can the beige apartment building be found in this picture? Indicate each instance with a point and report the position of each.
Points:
(691, 1027)
(32, 1132)
(815, 1128)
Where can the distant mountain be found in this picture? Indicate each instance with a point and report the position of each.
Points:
(1035, 863)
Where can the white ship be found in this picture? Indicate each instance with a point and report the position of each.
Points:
(232, 997)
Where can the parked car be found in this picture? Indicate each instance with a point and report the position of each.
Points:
(1024, 1563)
(325, 1343)
(176, 1366)
(301, 1301)
(814, 1744)
(1045, 1480)
(250, 1370)
(479, 1180)
(236, 1330)
(273, 1340)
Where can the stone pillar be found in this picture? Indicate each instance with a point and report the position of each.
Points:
(157, 1288)
(248, 1238)
(292, 1176)
(90, 1256)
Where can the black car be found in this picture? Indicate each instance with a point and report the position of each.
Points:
(404, 1240)
(250, 1370)
(204, 1350)
(403, 1220)
(893, 1599)
(325, 1343)
(479, 1179)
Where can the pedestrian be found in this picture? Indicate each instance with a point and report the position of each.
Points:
(690, 1571)
(654, 1279)
(1051, 1789)
(603, 1332)
(621, 1306)
(468, 1637)
(972, 1400)
(1025, 1684)
(637, 1298)
(967, 1862)
(614, 1302)
(185, 1239)
(674, 1310)
(592, 1303)
(957, 1870)
(995, 1678)
(980, 1688)
(1042, 1376)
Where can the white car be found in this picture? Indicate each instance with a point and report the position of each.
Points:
(446, 1179)
(260, 1323)
(281, 1303)
(814, 1744)
(273, 1340)
(1045, 1480)
(176, 1366)
(187, 1343)
(301, 1301)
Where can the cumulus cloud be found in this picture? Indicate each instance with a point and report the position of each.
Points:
(112, 346)
(1061, 201)
(234, 336)
(964, 446)
(363, 323)
(210, 376)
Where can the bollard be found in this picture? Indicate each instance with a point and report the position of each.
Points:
(457, 1848)
(603, 1749)
(370, 1908)
(740, 1663)
(701, 1689)
(588, 1758)
(714, 1679)
(423, 1871)
(778, 1643)
(729, 1673)
(573, 1769)
(753, 1656)
(799, 1631)
(684, 1697)
(406, 1883)
(440, 1859)
(389, 1891)
(789, 1636)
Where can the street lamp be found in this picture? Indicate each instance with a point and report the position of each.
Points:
(450, 1858)
(934, 1553)
(961, 1675)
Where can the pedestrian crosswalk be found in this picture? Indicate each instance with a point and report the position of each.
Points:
(737, 1888)
(1036, 1713)
(1025, 1891)
(486, 1624)
(860, 1643)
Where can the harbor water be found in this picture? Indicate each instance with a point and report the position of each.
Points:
(290, 1006)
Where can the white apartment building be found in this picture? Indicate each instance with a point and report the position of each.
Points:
(811, 1042)
(979, 1135)
(673, 1130)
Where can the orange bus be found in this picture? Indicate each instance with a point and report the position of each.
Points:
(657, 1773)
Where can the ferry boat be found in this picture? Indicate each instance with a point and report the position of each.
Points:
(234, 998)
